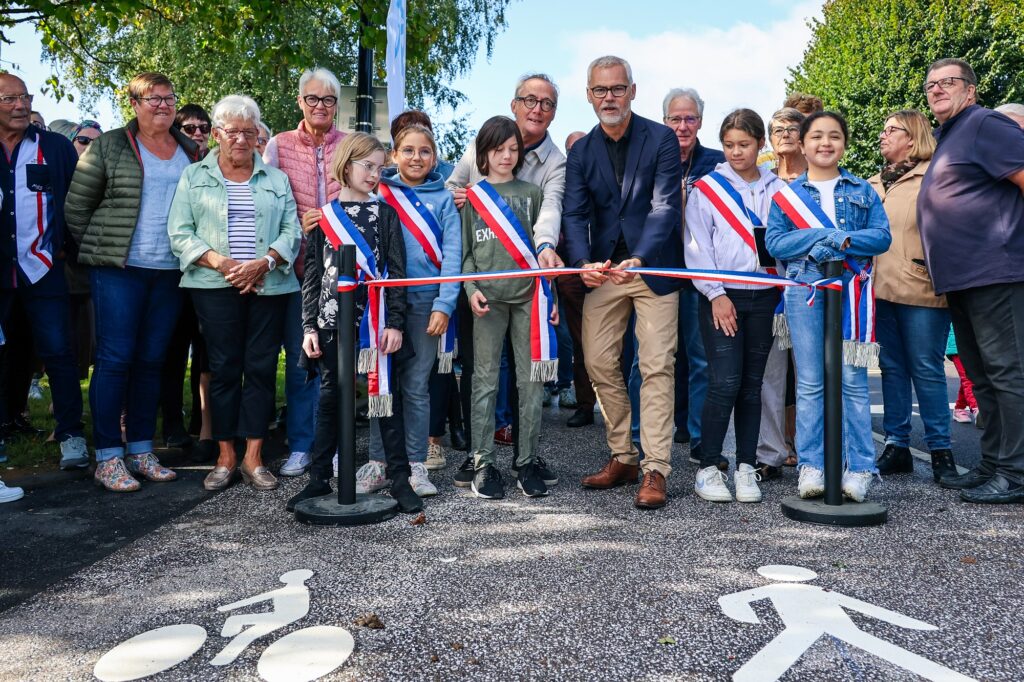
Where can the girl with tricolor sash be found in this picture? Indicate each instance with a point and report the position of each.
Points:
(357, 218)
(827, 215)
(723, 216)
(497, 235)
(432, 236)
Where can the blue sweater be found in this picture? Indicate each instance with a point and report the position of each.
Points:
(439, 201)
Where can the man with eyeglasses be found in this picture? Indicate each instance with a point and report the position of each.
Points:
(623, 209)
(971, 215)
(304, 154)
(35, 173)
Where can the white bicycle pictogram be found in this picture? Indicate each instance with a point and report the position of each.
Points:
(299, 656)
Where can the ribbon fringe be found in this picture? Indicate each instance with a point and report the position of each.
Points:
(367, 360)
(860, 354)
(544, 370)
(445, 362)
(780, 330)
(380, 406)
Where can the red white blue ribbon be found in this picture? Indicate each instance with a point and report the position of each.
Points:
(498, 216)
(339, 229)
(728, 203)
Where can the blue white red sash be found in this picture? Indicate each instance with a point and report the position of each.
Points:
(859, 346)
(498, 216)
(339, 229)
(420, 222)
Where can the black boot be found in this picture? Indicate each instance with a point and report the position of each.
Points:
(943, 464)
(408, 501)
(315, 488)
(895, 459)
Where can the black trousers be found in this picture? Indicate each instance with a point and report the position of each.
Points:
(243, 337)
(989, 326)
(448, 402)
(325, 442)
(735, 371)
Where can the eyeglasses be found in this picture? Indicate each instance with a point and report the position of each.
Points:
(600, 91)
(785, 132)
(531, 102)
(370, 168)
(409, 152)
(314, 101)
(262, 140)
(155, 101)
(12, 100)
(889, 130)
(191, 128)
(688, 120)
(944, 83)
(233, 134)
(82, 140)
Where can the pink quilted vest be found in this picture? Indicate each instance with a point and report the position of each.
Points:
(296, 156)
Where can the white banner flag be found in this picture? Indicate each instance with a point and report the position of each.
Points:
(395, 61)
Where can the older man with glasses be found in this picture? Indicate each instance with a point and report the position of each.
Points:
(970, 210)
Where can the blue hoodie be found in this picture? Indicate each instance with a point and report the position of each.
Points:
(439, 201)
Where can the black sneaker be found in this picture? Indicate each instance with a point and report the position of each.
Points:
(531, 481)
(549, 477)
(464, 476)
(487, 483)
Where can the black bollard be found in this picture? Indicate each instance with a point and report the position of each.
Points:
(346, 508)
(830, 511)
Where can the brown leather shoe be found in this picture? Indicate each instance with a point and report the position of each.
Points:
(614, 474)
(652, 492)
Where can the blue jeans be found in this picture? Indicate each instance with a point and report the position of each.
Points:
(692, 375)
(136, 310)
(807, 329)
(913, 340)
(46, 304)
(565, 350)
(301, 396)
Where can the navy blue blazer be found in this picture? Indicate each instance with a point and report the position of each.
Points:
(647, 211)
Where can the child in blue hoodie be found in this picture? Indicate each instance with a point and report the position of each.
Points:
(432, 231)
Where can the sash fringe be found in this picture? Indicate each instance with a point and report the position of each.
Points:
(444, 362)
(780, 330)
(380, 406)
(544, 370)
(367, 360)
(860, 354)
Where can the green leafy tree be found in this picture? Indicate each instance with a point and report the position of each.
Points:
(867, 58)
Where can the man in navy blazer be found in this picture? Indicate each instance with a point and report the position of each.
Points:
(622, 208)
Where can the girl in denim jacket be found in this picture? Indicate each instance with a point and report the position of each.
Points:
(861, 231)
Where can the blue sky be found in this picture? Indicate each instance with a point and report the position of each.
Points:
(734, 53)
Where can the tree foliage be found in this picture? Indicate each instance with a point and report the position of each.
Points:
(867, 58)
(211, 48)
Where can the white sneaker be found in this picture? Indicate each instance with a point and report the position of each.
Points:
(335, 464)
(370, 477)
(856, 484)
(711, 486)
(421, 484)
(811, 483)
(746, 479)
(435, 457)
(35, 391)
(297, 464)
(73, 453)
(10, 494)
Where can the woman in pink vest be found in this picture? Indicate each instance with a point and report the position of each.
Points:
(304, 154)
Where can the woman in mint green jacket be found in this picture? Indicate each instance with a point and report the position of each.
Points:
(234, 230)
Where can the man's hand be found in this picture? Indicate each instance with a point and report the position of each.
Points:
(478, 303)
(248, 275)
(438, 324)
(310, 219)
(311, 345)
(549, 259)
(459, 197)
(618, 275)
(596, 278)
(723, 314)
(390, 341)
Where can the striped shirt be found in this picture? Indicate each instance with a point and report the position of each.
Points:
(241, 221)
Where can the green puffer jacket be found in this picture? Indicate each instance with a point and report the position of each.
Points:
(102, 205)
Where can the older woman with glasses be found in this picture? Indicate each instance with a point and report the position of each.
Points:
(84, 133)
(235, 231)
(116, 210)
(912, 323)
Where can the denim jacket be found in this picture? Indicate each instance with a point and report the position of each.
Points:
(198, 222)
(860, 217)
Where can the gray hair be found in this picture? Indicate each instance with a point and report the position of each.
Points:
(536, 77)
(786, 115)
(688, 93)
(608, 62)
(266, 129)
(321, 75)
(234, 107)
(1011, 108)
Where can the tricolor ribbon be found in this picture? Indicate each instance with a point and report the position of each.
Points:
(339, 229)
(859, 346)
(498, 216)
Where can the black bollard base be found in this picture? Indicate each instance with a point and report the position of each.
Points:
(326, 511)
(849, 515)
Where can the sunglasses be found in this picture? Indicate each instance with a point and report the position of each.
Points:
(83, 140)
(191, 128)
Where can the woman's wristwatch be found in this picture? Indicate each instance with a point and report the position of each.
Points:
(271, 262)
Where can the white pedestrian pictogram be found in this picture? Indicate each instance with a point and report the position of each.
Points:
(810, 612)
